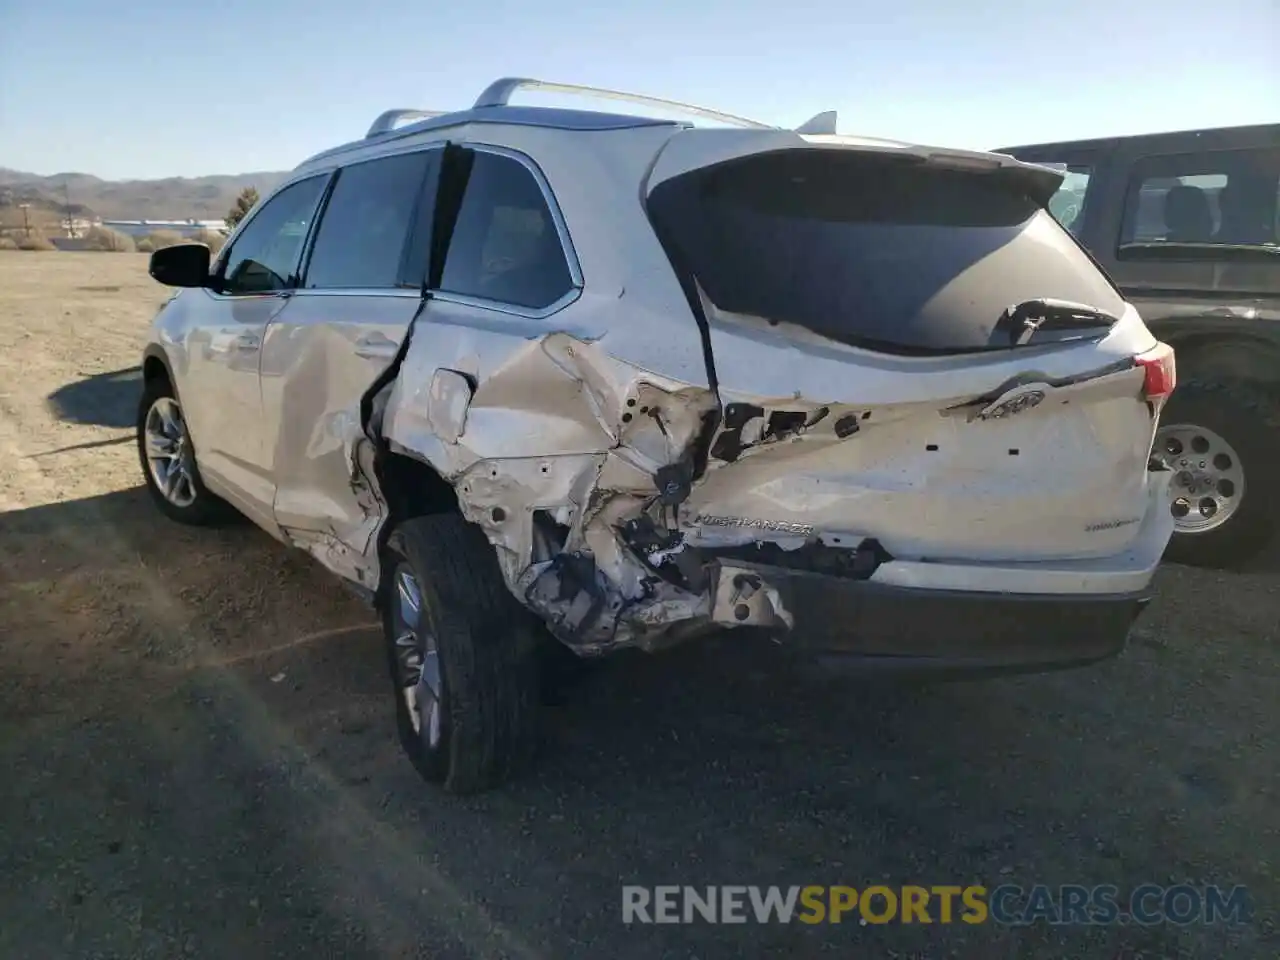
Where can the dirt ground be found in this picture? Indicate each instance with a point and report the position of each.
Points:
(197, 754)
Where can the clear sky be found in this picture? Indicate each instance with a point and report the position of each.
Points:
(150, 88)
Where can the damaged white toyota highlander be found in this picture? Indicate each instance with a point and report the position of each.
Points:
(517, 370)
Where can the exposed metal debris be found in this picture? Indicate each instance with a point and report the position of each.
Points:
(599, 540)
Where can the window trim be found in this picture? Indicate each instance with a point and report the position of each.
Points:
(323, 209)
(219, 264)
(576, 282)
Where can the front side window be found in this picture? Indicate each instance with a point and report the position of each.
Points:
(1202, 204)
(365, 224)
(504, 245)
(264, 257)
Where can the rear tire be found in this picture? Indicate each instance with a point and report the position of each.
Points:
(465, 675)
(1249, 424)
(184, 498)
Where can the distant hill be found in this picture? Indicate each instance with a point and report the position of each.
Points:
(174, 198)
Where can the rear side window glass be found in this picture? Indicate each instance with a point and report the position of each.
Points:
(881, 253)
(1192, 203)
(504, 245)
(264, 257)
(366, 222)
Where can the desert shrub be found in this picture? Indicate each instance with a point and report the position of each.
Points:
(244, 203)
(104, 238)
(210, 238)
(8, 243)
(164, 238)
(35, 242)
(144, 245)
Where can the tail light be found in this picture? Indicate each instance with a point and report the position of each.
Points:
(1161, 373)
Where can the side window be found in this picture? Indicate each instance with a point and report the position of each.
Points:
(264, 258)
(1225, 197)
(504, 245)
(1067, 205)
(365, 223)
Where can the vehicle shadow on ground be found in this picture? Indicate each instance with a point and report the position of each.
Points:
(103, 400)
(717, 763)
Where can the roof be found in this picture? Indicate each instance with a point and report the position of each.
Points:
(555, 118)
(1263, 133)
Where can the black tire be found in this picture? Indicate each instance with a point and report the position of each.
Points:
(487, 654)
(1249, 422)
(206, 509)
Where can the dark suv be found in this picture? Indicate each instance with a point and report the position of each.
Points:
(1188, 226)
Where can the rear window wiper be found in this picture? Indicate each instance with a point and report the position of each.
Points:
(1022, 321)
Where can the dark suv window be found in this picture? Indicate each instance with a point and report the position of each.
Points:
(875, 252)
(365, 223)
(1201, 200)
(1067, 204)
(505, 246)
(264, 257)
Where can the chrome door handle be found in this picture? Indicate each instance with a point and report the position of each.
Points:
(376, 346)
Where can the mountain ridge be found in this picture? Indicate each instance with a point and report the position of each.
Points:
(206, 197)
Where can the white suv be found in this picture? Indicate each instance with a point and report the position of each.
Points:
(645, 379)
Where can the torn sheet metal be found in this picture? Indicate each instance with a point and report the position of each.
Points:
(566, 526)
(597, 538)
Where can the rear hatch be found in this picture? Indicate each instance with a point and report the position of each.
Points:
(906, 346)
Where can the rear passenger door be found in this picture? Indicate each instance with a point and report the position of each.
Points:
(497, 289)
(360, 292)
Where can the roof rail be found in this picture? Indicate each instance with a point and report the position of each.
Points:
(498, 94)
(387, 120)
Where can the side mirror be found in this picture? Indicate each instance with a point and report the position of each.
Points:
(181, 265)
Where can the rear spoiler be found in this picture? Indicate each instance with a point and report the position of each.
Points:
(691, 150)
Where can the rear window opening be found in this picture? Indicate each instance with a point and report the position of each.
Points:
(881, 252)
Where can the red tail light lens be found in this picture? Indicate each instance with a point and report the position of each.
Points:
(1161, 373)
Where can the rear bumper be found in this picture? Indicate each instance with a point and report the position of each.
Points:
(877, 626)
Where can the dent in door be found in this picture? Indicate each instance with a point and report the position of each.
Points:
(319, 361)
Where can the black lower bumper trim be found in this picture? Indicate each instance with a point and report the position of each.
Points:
(891, 627)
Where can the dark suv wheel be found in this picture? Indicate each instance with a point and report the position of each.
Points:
(1222, 442)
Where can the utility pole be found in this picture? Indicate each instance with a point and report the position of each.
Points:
(26, 218)
(66, 196)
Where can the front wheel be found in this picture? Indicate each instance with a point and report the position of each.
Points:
(169, 461)
(462, 656)
(1222, 443)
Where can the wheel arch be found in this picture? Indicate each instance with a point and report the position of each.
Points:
(411, 487)
(408, 488)
(1227, 355)
(155, 365)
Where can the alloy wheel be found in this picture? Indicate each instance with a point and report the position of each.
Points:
(168, 451)
(417, 659)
